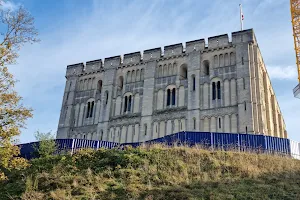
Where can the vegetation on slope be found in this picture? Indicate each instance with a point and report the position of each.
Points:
(156, 173)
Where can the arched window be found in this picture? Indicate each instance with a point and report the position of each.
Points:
(128, 78)
(183, 71)
(219, 89)
(170, 73)
(145, 129)
(206, 67)
(106, 101)
(125, 104)
(174, 69)
(194, 82)
(99, 86)
(165, 70)
(138, 75)
(160, 71)
(168, 97)
(213, 91)
(88, 110)
(92, 108)
(173, 96)
(133, 76)
(120, 82)
(129, 104)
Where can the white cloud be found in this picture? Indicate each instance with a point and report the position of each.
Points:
(282, 72)
(8, 5)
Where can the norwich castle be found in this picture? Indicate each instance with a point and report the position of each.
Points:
(220, 85)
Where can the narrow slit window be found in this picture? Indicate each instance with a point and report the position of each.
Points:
(168, 97)
(246, 129)
(92, 108)
(145, 127)
(173, 96)
(88, 110)
(129, 104)
(220, 123)
(244, 83)
(106, 98)
(213, 91)
(194, 83)
(219, 89)
(242, 60)
(194, 121)
(245, 106)
(125, 104)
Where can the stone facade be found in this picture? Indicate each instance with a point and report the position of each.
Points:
(220, 86)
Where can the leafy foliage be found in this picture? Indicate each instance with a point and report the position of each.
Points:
(12, 117)
(47, 145)
(19, 31)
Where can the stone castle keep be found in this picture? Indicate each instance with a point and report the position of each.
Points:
(220, 86)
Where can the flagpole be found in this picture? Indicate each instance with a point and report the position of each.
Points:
(241, 17)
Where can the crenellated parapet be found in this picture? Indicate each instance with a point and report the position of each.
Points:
(112, 62)
(149, 54)
(216, 42)
(132, 58)
(173, 50)
(92, 66)
(195, 45)
(243, 36)
(74, 70)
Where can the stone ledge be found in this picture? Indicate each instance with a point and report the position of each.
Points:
(172, 109)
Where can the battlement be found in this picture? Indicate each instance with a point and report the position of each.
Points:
(152, 54)
(195, 45)
(245, 36)
(218, 41)
(112, 62)
(75, 69)
(94, 65)
(173, 50)
(132, 58)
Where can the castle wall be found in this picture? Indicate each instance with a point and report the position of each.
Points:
(222, 86)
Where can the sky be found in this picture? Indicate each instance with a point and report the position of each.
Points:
(74, 31)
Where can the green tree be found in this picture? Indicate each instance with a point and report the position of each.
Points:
(47, 145)
(19, 30)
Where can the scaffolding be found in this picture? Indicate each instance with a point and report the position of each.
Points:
(295, 13)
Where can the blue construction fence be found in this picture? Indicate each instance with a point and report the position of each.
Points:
(220, 141)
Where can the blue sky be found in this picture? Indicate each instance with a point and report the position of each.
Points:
(74, 31)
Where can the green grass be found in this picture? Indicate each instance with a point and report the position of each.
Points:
(156, 172)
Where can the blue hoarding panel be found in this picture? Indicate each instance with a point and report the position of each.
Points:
(252, 142)
(225, 141)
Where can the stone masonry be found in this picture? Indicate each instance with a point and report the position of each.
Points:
(219, 86)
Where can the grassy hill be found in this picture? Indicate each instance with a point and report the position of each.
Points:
(156, 172)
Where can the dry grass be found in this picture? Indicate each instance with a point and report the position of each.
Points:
(158, 172)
